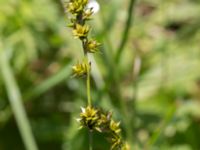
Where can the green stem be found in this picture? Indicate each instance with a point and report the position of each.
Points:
(15, 99)
(126, 31)
(88, 84)
(83, 41)
(90, 140)
(88, 72)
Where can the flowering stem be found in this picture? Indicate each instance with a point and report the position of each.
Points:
(89, 101)
(88, 72)
(88, 84)
(90, 140)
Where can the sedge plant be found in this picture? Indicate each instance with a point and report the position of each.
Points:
(92, 118)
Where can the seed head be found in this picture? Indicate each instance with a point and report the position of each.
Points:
(80, 69)
(89, 118)
(80, 31)
(114, 127)
(75, 7)
(92, 46)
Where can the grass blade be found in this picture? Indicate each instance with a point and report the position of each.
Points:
(52, 81)
(15, 99)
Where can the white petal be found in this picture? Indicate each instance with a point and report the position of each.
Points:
(83, 110)
(94, 5)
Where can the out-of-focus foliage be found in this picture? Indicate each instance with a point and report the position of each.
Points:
(164, 39)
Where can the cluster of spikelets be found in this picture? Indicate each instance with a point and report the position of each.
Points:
(98, 120)
(90, 117)
(79, 15)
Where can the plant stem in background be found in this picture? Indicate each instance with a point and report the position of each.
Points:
(136, 71)
(15, 99)
(126, 31)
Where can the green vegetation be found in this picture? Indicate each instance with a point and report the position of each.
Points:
(146, 73)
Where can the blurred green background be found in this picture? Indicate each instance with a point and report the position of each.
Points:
(153, 87)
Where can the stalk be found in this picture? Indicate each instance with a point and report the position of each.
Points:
(88, 86)
(89, 100)
(90, 140)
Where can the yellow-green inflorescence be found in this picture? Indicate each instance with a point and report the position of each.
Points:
(80, 69)
(98, 120)
(90, 117)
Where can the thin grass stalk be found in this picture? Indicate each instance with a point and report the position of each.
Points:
(125, 33)
(15, 100)
(136, 72)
